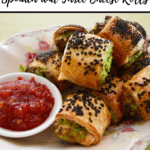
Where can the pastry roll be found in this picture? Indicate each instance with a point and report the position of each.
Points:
(99, 26)
(142, 62)
(61, 36)
(136, 96)
(128, 41)
(82, 119)
(48, 65)
(111, 92)
(87, 60)
(140, 28)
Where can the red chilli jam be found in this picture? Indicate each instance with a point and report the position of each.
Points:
(24, 104)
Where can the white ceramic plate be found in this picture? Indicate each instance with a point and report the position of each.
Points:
(126, 136)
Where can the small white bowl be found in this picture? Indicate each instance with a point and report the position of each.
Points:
(58, 103)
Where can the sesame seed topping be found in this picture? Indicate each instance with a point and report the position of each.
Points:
(90, 119)
(102, 104)
(90, 113)
(86, 72)
(79, 63)
(99, 55)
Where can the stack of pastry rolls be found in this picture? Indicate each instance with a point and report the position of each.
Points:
(92, 60)
(112, 64)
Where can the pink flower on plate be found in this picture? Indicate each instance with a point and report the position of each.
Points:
(43, 46)
(129, 129)
(139, 143)
(30, 57)
(23, 35)
(129, 122)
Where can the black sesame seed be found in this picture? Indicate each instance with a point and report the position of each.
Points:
(99, 55)
(86, 72)
(75, 97)
(93, 69)
(90, 52)
(91, 63)
(132, 88)
(139, 96)
(102, 104)
(143, 92)
(90, 113)
(95, 100)
(87, 108)
(90, 119)
(112, 91)
(96, 48)
(60, 110)
(78, 110)
(79, 63)
(141, 105)
(85, 53)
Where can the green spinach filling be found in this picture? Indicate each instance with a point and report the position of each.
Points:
(65, 35)
(134, 110)
(113, 115)
(107, 64)
(134, 58)
(70, 131)
(36, 70)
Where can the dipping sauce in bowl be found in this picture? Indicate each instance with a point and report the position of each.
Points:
(24, 104)
(28, 104)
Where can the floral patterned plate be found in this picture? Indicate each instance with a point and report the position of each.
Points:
(21, 49)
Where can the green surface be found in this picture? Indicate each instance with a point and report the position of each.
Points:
(148, 148)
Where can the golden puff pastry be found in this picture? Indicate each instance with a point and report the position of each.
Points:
(111, 92)
(48, 65)
(61, 36)
(136, 96)
(87, 60)
(128, 40)
(82, 119)
(141, 63)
